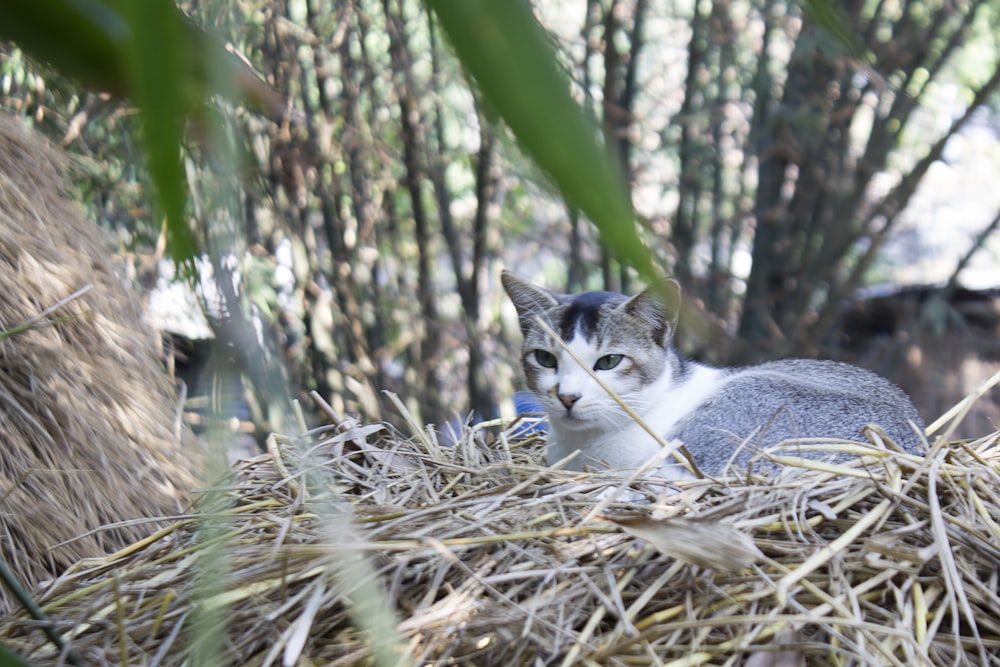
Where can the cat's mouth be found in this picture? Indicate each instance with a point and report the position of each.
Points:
(572, 419)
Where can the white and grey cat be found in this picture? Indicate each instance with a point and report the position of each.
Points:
(723, 415)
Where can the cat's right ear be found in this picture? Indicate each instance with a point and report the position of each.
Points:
(529, 300)
(650, 308)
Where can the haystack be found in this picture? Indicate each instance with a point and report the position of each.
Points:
(356, 544)
(87, 411)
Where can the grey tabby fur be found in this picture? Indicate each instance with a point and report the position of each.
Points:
(724, 416)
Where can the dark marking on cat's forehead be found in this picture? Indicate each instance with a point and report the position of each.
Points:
(583, 312)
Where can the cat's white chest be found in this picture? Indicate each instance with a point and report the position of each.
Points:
(680, 399)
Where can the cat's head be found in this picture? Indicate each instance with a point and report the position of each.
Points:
(625, 341)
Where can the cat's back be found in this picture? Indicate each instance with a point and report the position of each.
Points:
(760, 406)
(821, 376)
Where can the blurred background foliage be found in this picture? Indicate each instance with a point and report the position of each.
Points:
(357, 209)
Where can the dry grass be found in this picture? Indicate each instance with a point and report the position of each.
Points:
(487, 558)
(86, 409)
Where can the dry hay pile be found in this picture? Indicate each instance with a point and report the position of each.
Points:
(86, 408)
(487, 558)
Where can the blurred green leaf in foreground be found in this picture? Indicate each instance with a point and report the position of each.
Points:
(150, 53)
(506, 51)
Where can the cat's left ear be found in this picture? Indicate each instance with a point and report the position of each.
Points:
(648, 306)
(529, 300)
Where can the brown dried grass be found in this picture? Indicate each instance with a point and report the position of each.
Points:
(488, 558)
(86, 408)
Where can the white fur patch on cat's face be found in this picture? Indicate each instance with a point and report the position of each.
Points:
(572, 397)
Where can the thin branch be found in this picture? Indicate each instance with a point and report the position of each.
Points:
(12, 584)
(36, 321)
(977, 245)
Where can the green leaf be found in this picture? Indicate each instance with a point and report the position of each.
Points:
(157, 59)
(148, 51)
(829, 17)
(83, 39)
(10, 581)
(9, 658)
(510, 56)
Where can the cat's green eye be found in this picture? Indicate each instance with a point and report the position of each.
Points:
(546, 359)
(608, 361)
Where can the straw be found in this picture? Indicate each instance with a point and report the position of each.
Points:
(487, 557)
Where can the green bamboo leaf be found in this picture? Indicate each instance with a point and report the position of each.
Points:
(829, 17)
(10, 581)
(502, 46)
(149, 52)
(157, 73)
(9, 658)
(83, 39)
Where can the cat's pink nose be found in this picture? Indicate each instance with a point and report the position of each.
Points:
(569, 400)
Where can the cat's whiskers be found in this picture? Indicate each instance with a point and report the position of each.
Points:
(540, 321)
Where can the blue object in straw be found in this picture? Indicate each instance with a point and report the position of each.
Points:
(528, 406)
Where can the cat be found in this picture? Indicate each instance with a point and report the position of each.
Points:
(724, 416)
